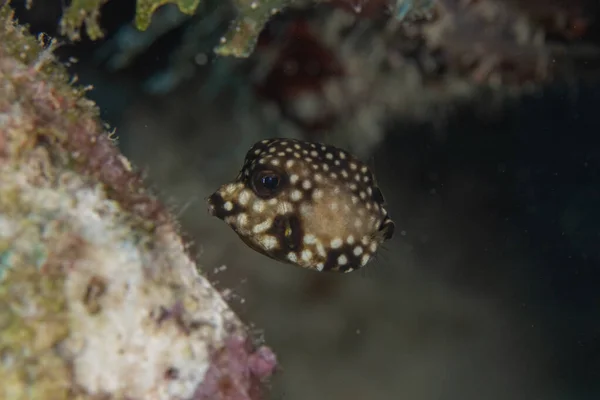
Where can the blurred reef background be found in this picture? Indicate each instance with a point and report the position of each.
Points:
(481, 120)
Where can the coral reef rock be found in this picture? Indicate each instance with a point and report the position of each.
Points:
(99, 297)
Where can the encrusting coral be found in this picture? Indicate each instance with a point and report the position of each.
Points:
(99, 297)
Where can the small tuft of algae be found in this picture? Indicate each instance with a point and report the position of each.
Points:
(145, 9)
(242, 35)
(81, 12)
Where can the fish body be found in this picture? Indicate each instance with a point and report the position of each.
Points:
(308, 204)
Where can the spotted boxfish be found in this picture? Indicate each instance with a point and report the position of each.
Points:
(308, 204)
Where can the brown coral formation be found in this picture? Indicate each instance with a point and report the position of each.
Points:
(421, 67)
(98, 296)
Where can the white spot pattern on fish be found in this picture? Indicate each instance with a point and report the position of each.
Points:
(282, 208)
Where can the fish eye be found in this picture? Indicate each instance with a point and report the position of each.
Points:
(267, 183)
(270, 181)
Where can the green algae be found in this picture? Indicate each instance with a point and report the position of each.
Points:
(240, 40)
(33, 323)
(145, 9)
(33, 308)
(81, 12)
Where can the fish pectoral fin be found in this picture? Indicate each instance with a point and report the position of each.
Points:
(288, 229)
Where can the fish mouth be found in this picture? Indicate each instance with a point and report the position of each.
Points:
(223, 203)
(213, 202)
(211, 209)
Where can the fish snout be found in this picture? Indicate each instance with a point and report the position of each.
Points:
(215, 205)
(225, 201)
